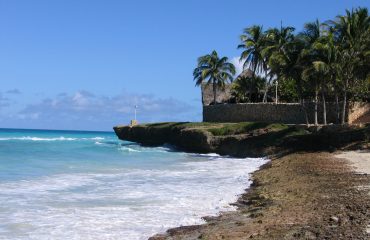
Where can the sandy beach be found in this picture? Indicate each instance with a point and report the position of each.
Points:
(360, 160)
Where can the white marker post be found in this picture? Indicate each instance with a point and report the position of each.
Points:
(134, 122)
(135, 112)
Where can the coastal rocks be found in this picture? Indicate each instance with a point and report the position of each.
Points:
(193, 139)
(259, 142)
(187, 139)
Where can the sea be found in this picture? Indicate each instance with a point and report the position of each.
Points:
(91, 185)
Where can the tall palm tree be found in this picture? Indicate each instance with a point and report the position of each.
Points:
(213, 70)
(311, 35)
(277, 43)
(253, 43)
(352, 33)
(292, 67)
(327, 66)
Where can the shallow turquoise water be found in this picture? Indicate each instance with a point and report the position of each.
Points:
(90, 185)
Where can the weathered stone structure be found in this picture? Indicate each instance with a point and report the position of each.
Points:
(222, 96)
(281, 112)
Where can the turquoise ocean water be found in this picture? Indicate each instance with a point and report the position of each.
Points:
(90, 185)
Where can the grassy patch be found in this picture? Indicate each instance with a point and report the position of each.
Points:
(244, 127)
(221, 129)
(180, 124)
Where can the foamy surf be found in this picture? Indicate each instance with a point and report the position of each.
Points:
(104, 192)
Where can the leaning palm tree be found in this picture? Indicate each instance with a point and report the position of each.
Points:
(213, 70)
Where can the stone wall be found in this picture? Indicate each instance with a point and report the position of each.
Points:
(281, 112)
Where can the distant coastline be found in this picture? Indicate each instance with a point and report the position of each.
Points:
(52, 130)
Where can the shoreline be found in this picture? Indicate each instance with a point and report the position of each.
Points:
(278, 211)
(248, 185)
(295, 195)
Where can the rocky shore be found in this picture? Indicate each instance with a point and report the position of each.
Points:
(252, 139)
(307, 191)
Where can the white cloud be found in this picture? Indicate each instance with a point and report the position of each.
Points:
(4, 101)
(13, 91)
(84, 110)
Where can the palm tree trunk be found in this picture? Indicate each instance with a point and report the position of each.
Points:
(316, 103)
(337, 107)
(266, 90)
(301, 100)
(344, 105)
(265, 93)
(323, 106)
(251, 84)
(214, 93)
(276, 92)
(344, 108)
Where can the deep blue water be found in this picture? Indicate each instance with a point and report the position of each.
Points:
(90, 185)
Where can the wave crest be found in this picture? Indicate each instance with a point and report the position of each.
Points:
(61, 138)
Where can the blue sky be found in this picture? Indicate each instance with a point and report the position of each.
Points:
(85, 64)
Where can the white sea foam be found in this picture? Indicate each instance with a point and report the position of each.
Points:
(128, 149)
(135, 148)
(61, 138)
(123, 204)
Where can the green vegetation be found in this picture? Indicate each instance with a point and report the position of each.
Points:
(327, 61)
(227, 129)
(245, 127)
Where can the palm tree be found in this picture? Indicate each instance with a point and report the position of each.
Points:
(311, 34)
(253, 43)
(292, 67)
(251, 84)
(213, 70)
(277, 43)
(352, 34)
(327, 66)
